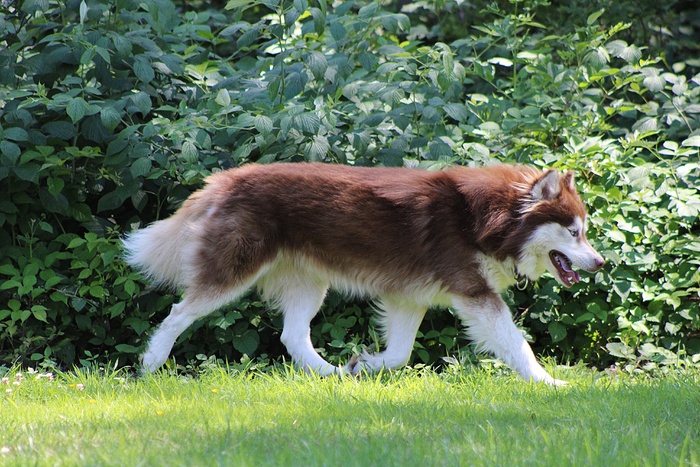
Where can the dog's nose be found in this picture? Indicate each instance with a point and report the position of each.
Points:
(599, 263)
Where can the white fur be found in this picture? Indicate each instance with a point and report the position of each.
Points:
(166, 261)
(297, 286)
(499, 274)
(299, 292)
(490, 326)
(535, 258)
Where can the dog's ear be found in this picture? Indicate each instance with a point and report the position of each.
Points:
(569, 181)
(546, 188)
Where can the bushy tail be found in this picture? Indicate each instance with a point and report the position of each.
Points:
(162, 251)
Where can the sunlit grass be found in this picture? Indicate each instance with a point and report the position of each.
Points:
(411, 417)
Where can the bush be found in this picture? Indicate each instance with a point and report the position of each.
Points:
(114, 112)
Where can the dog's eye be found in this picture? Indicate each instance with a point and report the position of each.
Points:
(573, 232)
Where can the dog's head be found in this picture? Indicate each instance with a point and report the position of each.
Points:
(554, 227)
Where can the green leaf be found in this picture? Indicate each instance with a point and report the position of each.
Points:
(248, 37)
(109, 202)
(138, 325)
(247, 343)
(317, 63)
(60, 129)
(242, 152)
(390, 157)
(368, 11)
(97, 291)
(235, 4)
(8, 207)
(307, 122)
(598, 57)
(77, 109)
(593, 17)
(10, 284)
(338, 31)
(93, 129)
(263, 124)
(143, 69)
(318, 148)
(126, 348)
(76, 242)
(55, 185)
(319, 19)
(631, 54)
(557, 331)
(291, 16)
(189, 152)
(78, 303)
(505, 62)
(130, 287)
(110, 117)
(8, 269)
(439, 149)
(367, 60)
(121, 44)
(654, 83)
(83, 11)
(456, 111)
(86, 58)
(693, 141)
(10, 150)
(140, 167)
(39, 312)
(295, 84)
(616, 235)
(645, 124)
(27, 172)
(15, 134)
(223, 98)
(139, 200)
(621, 350)
(141, 101)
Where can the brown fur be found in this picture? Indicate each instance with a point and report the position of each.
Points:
(406, 226)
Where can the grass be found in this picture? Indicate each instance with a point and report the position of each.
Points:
(411, 417)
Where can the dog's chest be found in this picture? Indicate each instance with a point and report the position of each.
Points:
(498, 274)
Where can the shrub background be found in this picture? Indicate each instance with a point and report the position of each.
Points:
(112, 112)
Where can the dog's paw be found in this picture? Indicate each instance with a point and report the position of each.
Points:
(365, 362)
(353, 367)
(555, 382)
(360, 363)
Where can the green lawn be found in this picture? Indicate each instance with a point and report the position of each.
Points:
(411, 417)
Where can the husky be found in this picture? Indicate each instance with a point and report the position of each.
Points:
(407, 238)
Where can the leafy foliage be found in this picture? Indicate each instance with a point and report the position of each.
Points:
(114, 111)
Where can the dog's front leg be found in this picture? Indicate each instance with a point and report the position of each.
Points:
(490, 325)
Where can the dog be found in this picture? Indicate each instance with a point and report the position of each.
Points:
(408, 238)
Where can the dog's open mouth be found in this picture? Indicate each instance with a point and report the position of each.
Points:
(563, 266)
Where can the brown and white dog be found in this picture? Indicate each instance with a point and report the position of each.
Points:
(408, 238)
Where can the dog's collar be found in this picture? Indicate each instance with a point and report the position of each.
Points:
(521, 282)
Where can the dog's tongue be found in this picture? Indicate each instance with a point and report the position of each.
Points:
(571, 276)
(568, 275)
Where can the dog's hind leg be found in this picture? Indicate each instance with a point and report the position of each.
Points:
(399, 321)
(195, 305)
(299, 297)
(490, 325)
